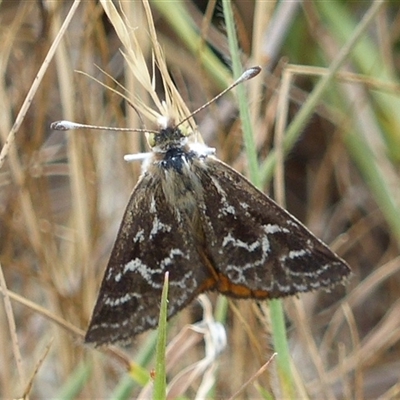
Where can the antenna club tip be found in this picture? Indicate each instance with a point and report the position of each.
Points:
(251, 73)
(62, 125)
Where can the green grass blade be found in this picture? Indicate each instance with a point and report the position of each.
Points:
(75, 382)
(160, 381)
(138, 375)
(368, 60)
(277, 316)
(296, 127)
(237, 68)
(179, 19)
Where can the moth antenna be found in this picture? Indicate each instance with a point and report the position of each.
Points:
(64, 125)
(248, 74)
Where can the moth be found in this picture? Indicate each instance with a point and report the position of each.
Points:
(194, 216)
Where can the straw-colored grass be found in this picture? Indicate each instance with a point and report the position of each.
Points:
(334, 161)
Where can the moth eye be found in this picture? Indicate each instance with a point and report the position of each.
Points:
(185, 131)
(151, 139)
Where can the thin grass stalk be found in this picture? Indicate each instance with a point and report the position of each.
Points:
(295, 129)
(237, 68)
(36, 82)
(12, 328)
(138, 375)
(371, 155)
(178, 19)
(364, 157)
(277, 315)
(369, 60)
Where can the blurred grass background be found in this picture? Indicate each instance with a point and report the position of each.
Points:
(63, 194)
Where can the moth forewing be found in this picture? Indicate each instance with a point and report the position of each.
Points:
(152, 239)
(259, 249)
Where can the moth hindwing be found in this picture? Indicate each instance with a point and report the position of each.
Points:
(211, 229)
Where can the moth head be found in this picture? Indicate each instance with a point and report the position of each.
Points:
(168, 135)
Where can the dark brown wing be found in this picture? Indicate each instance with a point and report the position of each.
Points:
(258, 248)
(151, 240)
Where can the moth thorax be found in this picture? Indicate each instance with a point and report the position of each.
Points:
(181, 186)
